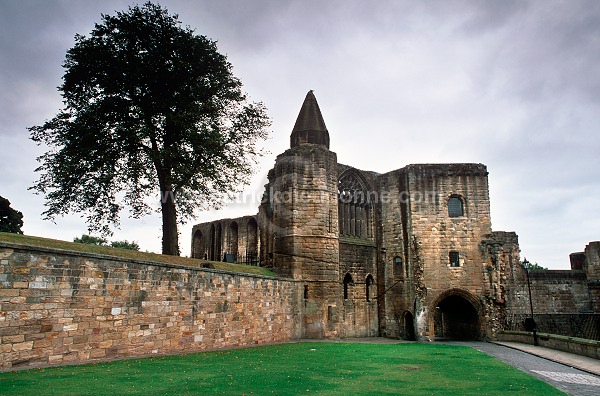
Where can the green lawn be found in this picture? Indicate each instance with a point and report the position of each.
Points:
(131, 254)
(290, 369)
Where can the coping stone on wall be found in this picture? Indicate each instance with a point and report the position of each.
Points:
(11, 245)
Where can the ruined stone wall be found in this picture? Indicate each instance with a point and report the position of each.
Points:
(592, 260)
(434, 234)
(238, 238)
(58, 307)
(359, 310)
(358, 259)
(592, 263)
(394, 280)
(501, 260)
(552, 291)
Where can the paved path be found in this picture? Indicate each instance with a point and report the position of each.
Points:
(570, 359)
(562, 376)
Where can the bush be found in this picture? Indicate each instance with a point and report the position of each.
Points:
(92, 240)
(125, 245)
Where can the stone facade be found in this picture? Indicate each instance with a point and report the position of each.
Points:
(409, 253)
(234, 240)
(59, 307)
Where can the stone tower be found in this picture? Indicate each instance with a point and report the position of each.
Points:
(299, 218)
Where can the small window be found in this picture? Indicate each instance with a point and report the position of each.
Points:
(398, 266)
(455, 207)
(306, 292)
(347, 283)
(454, 259)
(368, 285)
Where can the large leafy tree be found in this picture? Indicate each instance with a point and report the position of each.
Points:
(152, 110)
(11, 220)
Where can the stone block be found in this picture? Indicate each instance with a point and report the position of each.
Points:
(13, 339)
(44, 343)
(23, 346)
(53, 359)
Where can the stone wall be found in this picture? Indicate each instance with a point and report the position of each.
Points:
(395, 280)
(434, 235)
(501, 256)
(579, 346)
(359, 310)
(592, 266)
(59, 306)
(553, 291)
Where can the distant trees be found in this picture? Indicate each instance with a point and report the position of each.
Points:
(125, 245)
(153, 114)
(98, 241)
(11, 220)
(91, 240)
(531, 266)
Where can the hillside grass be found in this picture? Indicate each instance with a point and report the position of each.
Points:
(27, 240)
(323, 368)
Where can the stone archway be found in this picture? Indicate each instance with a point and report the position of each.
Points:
(252, 242)
(233, 240)
(218, 243)
(211, 255)
(456, 315)
(198, 245)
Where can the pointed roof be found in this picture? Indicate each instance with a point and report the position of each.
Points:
(310, 126)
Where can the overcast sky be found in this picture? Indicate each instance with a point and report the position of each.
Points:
(514, 85)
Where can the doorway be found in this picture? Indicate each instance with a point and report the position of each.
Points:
(456, 318)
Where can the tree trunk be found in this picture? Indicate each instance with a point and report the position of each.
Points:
(170, 241)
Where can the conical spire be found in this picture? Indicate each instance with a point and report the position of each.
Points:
(310, 127)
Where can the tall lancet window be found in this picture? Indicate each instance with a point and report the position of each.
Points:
(354, 205)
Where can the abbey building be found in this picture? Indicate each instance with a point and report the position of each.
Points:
(409, 253)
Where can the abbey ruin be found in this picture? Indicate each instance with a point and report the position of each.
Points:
(409, 253)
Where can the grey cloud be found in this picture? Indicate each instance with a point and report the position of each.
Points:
(513, 84)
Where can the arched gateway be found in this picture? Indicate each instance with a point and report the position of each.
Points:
(456, 315)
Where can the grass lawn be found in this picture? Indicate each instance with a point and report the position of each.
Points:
(130, 254)
(290, 369)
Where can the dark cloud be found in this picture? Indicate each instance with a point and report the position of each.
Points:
(513, 84)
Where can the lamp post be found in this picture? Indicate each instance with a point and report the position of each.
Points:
(532, 323)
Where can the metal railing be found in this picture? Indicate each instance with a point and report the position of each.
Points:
(580, 325)
(249, 259)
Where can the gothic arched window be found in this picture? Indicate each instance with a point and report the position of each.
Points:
(354, 206)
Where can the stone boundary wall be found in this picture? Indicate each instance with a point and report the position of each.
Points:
(579, 346)
(553, 291)
(60, 306)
